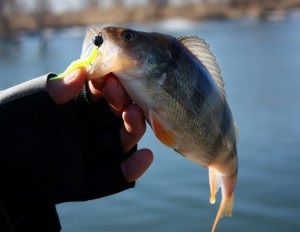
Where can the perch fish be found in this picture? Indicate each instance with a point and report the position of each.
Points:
(177, 84)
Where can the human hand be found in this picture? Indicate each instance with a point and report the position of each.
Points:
(56, 147)
(133, 127)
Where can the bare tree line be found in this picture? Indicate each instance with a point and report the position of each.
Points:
(11, 12)
(7, 8)
(14, 15)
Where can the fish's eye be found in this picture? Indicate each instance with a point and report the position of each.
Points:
(128, 35)
(98, 40)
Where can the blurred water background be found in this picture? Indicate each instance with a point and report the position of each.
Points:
(260, 61)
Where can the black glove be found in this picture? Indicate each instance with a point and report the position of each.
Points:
(56, 153)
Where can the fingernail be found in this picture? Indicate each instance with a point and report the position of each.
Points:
(71, 76)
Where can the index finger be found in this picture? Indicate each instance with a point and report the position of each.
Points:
(96, 87)
(115, 95)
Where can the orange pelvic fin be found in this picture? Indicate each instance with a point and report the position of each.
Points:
(161, 129)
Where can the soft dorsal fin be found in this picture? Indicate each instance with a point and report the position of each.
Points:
(200, 49)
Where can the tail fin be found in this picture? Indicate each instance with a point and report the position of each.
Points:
(225, 209)
(227, 183)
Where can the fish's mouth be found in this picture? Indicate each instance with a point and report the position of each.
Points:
(106, 58)
(111, 56)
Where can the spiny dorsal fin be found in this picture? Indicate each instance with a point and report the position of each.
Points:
(201, 50)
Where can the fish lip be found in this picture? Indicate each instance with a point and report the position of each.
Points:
(89, 44)
(111, 57)
(107, 53)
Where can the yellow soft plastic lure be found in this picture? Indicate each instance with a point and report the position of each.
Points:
(83, 62)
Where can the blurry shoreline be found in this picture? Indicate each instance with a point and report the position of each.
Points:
(119, 14)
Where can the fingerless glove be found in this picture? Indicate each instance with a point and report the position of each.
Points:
(56, 153)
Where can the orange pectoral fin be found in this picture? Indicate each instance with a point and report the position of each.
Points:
(162, 131)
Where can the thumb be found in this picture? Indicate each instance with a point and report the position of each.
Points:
(64, 89)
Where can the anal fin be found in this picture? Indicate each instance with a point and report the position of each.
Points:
(214, 183)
